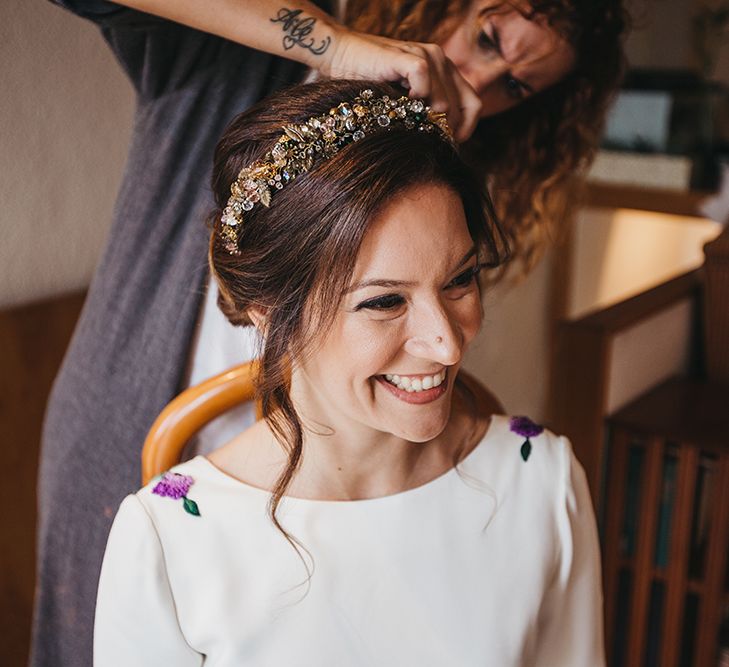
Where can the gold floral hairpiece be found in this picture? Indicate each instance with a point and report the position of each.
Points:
(320, 137)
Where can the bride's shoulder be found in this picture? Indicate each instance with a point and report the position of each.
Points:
(523, 447)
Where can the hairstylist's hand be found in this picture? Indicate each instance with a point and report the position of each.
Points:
(422, 68)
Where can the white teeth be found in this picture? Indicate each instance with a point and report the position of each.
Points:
(412, 385)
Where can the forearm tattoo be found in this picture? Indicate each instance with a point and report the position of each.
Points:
(297, 30)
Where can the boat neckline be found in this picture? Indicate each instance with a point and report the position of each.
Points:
(399, 495)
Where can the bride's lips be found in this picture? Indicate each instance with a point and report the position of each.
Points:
(415, 397)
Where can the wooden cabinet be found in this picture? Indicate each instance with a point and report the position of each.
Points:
(665, 527)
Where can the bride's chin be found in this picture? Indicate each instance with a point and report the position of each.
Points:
(424, 430)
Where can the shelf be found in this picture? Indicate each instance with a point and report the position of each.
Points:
(653, 505)
(681, 410)
(673, 202)
(661, 574)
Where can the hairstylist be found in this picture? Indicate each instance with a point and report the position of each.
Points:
(194, 66)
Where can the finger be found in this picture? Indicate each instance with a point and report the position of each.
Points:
(469, 103)
(428, 78)
(413, 67)
(447, 81)
(426, 72)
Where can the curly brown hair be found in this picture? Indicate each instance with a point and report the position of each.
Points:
(536, 152)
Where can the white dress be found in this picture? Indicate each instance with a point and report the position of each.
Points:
(494, 563)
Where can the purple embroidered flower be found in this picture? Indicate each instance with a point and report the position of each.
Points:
(174, 485)
(526, 428)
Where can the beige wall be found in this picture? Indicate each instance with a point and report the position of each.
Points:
(648, 353)
(65, 120)
(510, 355)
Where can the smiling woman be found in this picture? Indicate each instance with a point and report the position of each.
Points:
(373, 517)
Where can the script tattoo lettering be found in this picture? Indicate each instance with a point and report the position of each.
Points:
(298, 30)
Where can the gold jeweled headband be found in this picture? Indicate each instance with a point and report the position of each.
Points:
(320, 137)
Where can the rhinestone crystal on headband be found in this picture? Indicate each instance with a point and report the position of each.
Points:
(320, 137)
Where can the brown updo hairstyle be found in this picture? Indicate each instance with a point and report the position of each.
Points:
(298, 255)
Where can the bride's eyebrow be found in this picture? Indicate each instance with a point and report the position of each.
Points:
(383, 282)
(378, 282)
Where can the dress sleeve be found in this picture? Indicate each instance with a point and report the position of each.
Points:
(159, 56)
(136, 620)
(570, 630)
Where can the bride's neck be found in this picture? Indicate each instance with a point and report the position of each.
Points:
(352, 463)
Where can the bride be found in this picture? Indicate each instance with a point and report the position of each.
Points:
(373, 517)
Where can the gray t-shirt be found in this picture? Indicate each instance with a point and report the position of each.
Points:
(128, 355)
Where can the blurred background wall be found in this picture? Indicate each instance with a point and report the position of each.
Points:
(65, 121)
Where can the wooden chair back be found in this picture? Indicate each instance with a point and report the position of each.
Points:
(187, 413)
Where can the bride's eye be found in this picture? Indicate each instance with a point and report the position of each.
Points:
(386, 302)
(466, 278)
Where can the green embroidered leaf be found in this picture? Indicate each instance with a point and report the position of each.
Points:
(190, 506)
(526, 449)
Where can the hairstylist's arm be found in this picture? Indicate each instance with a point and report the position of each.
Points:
(300, 31)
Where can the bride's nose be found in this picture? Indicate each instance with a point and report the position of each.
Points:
(436, 337)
